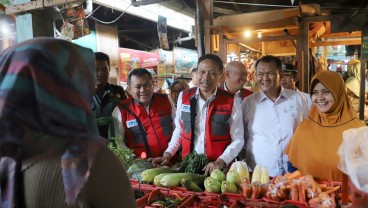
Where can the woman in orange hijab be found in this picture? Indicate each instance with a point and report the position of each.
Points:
(313, 148)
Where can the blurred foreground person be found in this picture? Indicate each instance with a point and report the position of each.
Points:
(51, 153)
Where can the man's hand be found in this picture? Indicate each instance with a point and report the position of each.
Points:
(218, 164)
(161, 161)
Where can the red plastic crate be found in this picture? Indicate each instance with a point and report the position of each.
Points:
(146, 188)
(155, 195)
(184, 191)
(206, 200)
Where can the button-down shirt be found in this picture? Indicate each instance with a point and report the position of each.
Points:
(236, 130)
(269, 127)
(307, 97)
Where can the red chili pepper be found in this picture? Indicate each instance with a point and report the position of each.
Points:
(178, 196)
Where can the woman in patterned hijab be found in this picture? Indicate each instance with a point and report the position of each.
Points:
(51, 154)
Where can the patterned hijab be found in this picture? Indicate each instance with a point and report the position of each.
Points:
(46, 87)
(313, 147)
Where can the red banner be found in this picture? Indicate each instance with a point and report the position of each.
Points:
(131, 59)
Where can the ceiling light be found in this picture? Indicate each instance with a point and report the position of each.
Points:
(247, 34)
(259, 34)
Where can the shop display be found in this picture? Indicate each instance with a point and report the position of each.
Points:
(294, 189)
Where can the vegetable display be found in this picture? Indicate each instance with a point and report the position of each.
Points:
(149, 174)
(193, 163)
(138, 165)
(125, 155)
(241, 168)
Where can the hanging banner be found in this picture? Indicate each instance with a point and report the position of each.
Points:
(131, 59)
(162, 32)
(75, 24)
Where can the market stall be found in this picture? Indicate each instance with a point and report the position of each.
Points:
(184, 185)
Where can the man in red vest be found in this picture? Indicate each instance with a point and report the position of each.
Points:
(145, 120)
(208, 120)
(235, 78)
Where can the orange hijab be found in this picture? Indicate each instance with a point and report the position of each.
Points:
(313, 147)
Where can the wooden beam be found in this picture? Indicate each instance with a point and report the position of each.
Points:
(147, 2)
(33, 5)
(292, 21)
(315, 29)
(19, 8)
(333, 43)
(224, 11)
(356, 34)
(323, 18)
(262, 39)
(203, 8)
(52, 3)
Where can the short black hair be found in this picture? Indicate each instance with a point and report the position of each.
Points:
(270, 59)
(194, 70)
(139, 72)
(213, 58)
(102, 57)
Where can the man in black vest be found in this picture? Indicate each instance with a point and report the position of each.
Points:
(106, 96)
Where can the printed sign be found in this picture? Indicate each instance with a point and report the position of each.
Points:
(130, 59)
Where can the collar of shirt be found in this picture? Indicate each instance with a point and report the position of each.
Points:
(198, 95)
(237, 93)
(263, 96)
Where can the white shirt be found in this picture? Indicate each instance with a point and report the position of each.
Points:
(236, 130)
(307, 97)
(118, 124)
(269, 126)
(191, 84)
(238, 95)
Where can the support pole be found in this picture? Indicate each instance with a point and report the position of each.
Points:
(200, 30)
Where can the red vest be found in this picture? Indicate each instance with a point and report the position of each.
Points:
(217, 135)
(158, 125)
(245, 93)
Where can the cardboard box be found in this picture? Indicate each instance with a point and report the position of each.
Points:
(164, 69)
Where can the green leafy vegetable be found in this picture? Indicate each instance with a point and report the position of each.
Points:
(125, 155)
(193, 163)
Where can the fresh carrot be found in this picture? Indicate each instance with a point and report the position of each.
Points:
(301, 190)
(247, 190)
(294, 192)
(332, 190)
(256, 190)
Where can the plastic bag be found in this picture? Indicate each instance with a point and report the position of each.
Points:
(354, 157)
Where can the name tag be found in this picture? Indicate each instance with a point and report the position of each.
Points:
(132, 123)
(185, 108)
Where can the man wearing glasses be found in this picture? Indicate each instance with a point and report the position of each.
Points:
(270, 118)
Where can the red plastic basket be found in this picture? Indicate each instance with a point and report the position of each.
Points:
(155, 195)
